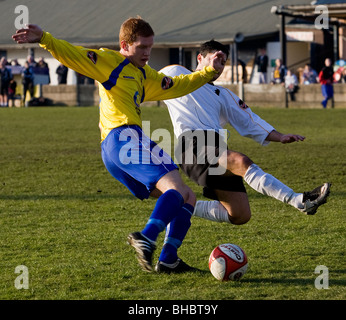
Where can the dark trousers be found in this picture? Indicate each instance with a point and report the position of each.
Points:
(28, 85)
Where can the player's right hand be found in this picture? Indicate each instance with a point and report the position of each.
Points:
(218, 61)
(33, 33)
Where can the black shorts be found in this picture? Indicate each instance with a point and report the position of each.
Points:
(198, 151)
(4, 88)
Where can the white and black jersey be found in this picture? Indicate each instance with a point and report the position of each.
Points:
(211, 108)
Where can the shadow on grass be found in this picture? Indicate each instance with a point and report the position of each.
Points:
(296, 280)
(86, 197)
(279, 280)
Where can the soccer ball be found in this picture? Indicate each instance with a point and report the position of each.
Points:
(228, 262)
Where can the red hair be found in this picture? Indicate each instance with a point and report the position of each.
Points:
(134, 27)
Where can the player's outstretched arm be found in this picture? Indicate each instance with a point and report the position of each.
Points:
(276, 136)
(32, 34)
(74, 57)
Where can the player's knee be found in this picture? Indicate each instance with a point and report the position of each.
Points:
(187, 194)
(190, 197)
(238, 162)
(241, 218)
(172, 180)
(246, 162)
(243, 161)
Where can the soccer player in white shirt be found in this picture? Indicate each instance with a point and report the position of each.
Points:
(207, 110)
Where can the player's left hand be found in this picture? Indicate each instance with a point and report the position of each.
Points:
(288, 138)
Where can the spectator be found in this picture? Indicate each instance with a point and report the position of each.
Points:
(61, 71)
(291, 84)
(262, 64)
(7, 63)
(43, 68)
(326, 80)
(337, 76)
(343, 76)
(6, 76)
(309, 75)
(278, 75)
(12, 91)
(31, 61)
(41, 63)
(82, 79)
(28, 81)
(14, 62)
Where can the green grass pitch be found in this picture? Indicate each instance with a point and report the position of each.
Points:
(66, 219)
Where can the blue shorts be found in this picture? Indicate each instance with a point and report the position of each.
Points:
(134, 160)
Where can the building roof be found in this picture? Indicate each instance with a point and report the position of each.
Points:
(318, 2)
(178, 22)
(336, 11)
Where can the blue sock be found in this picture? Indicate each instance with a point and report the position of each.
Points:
(166, 208)
(175, 234)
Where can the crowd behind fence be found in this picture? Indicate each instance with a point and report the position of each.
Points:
(23, 82)
(20, 82)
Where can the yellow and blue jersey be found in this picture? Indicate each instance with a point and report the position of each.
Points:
(122, 86)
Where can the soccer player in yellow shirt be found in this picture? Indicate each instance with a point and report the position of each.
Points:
(125, 80)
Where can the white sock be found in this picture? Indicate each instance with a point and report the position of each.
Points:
(268, 185)
(211, 210)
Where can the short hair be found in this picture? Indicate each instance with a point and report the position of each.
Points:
(134, 27)
(213, 46)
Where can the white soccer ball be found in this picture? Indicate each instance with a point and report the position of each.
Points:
(228, 262)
